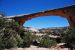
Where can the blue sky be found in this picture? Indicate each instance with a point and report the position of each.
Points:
(15, 7)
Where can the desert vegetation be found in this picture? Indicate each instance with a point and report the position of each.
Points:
(13, 35)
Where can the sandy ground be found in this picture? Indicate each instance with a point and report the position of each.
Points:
(35, 49)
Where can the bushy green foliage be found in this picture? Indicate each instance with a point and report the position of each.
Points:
(13, 35)
(27, 39)
(9, 35)
(46, 42)
(69, 37)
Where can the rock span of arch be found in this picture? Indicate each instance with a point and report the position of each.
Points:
(67, 12)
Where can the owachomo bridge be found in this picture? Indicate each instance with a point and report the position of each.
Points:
(67, 12)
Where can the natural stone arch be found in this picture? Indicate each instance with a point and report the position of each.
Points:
(67, 12)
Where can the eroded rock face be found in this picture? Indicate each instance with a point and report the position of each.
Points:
(73, 15)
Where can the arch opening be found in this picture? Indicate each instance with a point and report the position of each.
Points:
(47, 22)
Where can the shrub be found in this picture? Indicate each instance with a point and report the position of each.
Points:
(69, 37)
(46, 42)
